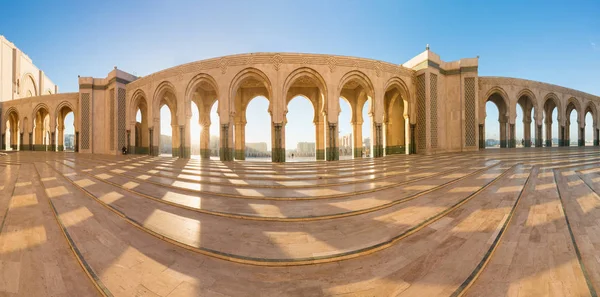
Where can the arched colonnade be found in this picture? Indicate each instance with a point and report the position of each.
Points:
(384, 88)
(537, 102)
(38, 123)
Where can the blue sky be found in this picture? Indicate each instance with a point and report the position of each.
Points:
(550, 41)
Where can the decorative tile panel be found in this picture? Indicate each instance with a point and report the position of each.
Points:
(433, 114)
(85, 121)
(121, 117)
(112, 118)
(421, 113)
(470, 111)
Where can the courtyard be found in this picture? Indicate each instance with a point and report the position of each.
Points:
(519, 222)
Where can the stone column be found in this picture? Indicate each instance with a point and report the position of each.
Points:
(320, 141)
(225, 150)
(53, 141)
(185, 148)
(31, 141)
(503, 135)
(240, 140)
(596, 134)
(548, 134)
(538, 136)
(481, 136)
(61, 138)
(561, 136)
(277, 147)
(357, 144)
(512, 136)
(412, 149)
(153, 149)
(39, 135)
(3, 141)
(175, 141)
(129, 150)
(205, 139)
(332, 152)
(21, 145)
(377, 141)
(527, 132)
(76, 149)
(581, 137)
(567, 134)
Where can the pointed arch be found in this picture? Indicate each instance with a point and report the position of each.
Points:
(25, 80)
(314, 78)
(138, 99)
(10, 110)
(244, 75)
(366, 88)
(501, 94)
(40, 106)
(550, 99)
(396, 107)
(165, 87)
(572, 101)
(396, 82)
(140, 141)
(591, 108)
(61, 105)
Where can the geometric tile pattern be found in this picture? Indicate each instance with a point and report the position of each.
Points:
(433, 109)
(470, 111)
(85, 121)
(421, 113)
(121, 117)
(112, 119)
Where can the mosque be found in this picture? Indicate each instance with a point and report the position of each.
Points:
(430, 212)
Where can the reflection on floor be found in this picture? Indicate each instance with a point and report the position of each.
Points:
(510, 222)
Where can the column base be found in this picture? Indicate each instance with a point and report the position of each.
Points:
(333, 154)
(394, 150)
(205, 154)
(580, 142)
(226, 154)
(154, 151)
(377, 151)
(320, 155)
(138, 150)
(278, 155)
(240, 154)
(187, 152)
(357, 152)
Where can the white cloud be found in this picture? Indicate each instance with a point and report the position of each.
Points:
(593, 46)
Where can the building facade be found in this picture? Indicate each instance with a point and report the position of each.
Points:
(424, 106)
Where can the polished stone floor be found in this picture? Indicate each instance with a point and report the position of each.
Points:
(510, 222)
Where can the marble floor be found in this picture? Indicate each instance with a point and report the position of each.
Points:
(500, 222)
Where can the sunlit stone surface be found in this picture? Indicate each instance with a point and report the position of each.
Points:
(489, 223)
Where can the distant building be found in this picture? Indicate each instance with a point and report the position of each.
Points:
(69, 142)
(367, 147)
(257, 146)
(492, 142)
(257, 150)
(345, 145)
(305, 149)
(213, 145)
